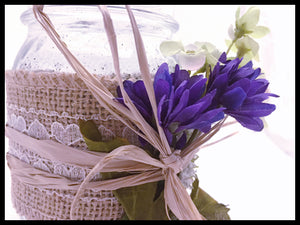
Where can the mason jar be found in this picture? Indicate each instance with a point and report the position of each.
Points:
(45, 98)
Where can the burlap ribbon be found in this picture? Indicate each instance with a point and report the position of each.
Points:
(128, 158)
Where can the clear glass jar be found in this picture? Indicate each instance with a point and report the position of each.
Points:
(82, 29)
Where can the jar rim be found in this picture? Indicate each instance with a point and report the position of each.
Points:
(143, 11)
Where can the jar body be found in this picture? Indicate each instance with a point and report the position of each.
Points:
(46, 98)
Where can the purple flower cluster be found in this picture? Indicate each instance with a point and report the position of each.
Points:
(187, 102)
(240, 92)
(181, 104)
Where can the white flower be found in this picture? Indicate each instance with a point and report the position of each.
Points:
(247, 25)
(247, 48)
(242, 35)
(190, 57)
(211, 52)
(188, 175)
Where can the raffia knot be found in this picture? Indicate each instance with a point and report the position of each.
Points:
(172, 161)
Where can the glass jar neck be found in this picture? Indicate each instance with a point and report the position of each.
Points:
(83, 18)
(81, 28)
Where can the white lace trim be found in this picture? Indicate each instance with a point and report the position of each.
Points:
(66, 135)
(60, 115)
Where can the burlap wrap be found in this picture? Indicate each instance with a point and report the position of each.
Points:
(60, 93)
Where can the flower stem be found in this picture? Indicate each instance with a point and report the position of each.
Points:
(232, 43)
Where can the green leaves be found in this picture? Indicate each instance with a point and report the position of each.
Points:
(93, 139)
(139, 202)
(207, 206)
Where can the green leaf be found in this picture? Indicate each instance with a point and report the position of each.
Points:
(93, 139)
(140, 202)
(207, 206)
(89, 130)
(124, 217)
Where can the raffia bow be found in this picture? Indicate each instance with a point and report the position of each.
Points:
(131, 158)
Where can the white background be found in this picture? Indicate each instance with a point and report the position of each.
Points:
(252, 172)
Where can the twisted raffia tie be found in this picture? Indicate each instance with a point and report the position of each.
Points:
(127, 158)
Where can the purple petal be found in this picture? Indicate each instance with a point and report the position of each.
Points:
(142, 141)
(234, 98)
(255, 110)
(213, 75)
(181, 104)
(179, 91)
(252, 123)
(188, 113)
(213, 103)
(119, 93)
(163, 73)
(121, 100)
(197, 89)
(259, 98)
(223, 58)
(145, 113)
(161, 111)
(140, 90)
(170, 104)
(244, 83)
(169, 135)
(218, 116)
(161, 89)
(204, 120)
(179, 76)
(220, 83)
(181, 142)
(231, 65)
(243, 72)
(248, 65)
(258, 86)
(194, 79)
(128, 86)
(204, 127)
(255, 74)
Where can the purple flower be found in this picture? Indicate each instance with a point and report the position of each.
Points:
(240, 92)
(181, 103)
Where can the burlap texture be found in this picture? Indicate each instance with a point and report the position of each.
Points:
(64, 94)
